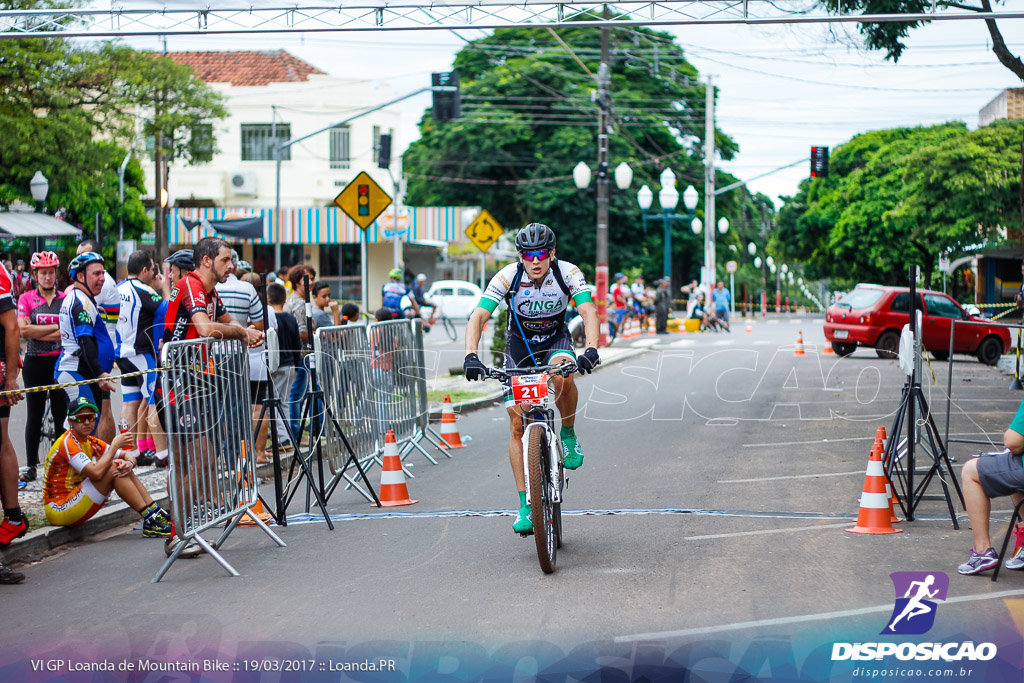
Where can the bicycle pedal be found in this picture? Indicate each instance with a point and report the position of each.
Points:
(526, 534)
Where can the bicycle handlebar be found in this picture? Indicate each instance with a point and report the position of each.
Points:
(563, 369)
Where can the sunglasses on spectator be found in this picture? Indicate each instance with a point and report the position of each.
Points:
(83, 419)
(539, 254)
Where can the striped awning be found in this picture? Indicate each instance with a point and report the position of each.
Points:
(324, 225)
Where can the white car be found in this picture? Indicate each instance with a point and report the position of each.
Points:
(457, 298)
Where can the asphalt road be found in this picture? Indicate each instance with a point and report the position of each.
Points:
(704, 526)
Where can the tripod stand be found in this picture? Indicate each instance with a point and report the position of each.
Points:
(900, 454)
(313, 404)
(270, 410)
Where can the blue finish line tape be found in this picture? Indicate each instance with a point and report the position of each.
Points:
(307, 518)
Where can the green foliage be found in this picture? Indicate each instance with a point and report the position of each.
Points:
(500, 339)
(528, 116)
(73, 111)
(901, 196)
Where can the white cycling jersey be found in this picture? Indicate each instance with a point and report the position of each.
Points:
(539, 311)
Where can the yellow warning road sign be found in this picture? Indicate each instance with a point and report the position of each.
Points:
(363, 200)
(484, 231)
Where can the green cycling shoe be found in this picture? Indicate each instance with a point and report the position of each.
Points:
(572, 454)
(524, 522)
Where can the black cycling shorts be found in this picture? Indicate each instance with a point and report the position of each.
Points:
(517, 354)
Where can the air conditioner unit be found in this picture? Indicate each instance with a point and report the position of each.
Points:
(242, 183)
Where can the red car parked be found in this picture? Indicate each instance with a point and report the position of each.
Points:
(874, 315)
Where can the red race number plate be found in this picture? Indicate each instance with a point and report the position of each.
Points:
(529, 389)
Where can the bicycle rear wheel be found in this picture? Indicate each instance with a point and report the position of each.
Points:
(47, 433)
(449, 327)
(543, 510)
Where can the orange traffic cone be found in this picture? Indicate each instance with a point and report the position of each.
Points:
(750, 326)
(449, 432)
(828, 350)
(799, 351)
(893, 500)
(874, 516)
(393, 490)
(260, 512)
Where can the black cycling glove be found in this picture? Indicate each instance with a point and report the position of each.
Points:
(588, 361)
(474, 367)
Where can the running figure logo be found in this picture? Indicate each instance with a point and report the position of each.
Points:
(914, 612)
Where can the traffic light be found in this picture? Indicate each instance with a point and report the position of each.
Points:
(364, 200)
(384, 151)
(447, 104)
(819, 162)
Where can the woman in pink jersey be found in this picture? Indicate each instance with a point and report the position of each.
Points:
(38, 311)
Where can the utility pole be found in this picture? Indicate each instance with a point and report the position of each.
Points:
(603, 122)
(709, 188)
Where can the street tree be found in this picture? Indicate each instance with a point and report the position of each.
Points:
(890, 36)
(902, 196)
(529, 118)
(73, 111)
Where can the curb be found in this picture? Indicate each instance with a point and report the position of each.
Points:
(46, 539)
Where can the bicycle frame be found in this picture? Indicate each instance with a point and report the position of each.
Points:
(543, 419)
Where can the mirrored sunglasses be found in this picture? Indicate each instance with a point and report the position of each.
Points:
(84, 419)
(539, 254)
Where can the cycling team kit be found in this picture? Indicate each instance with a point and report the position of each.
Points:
(87, 351)
(141, 317)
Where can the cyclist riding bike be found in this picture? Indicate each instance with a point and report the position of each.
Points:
(419, 295)
(537, 290)
(392, 293)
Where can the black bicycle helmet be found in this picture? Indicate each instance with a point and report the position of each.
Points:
(535, 236)
(182, 258)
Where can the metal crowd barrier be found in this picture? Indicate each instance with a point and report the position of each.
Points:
(399, 384)
(208, 419)
(342, 357)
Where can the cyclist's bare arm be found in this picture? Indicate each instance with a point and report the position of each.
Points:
(475, 327)
(591, 323)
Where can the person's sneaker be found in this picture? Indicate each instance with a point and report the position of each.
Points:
(572, 454)
(1017, 561)
(160, 463)
(192, 549)
(145, 458)
(27, 474)
(979, 562)
(8, 575)
(524, 522)
(10, 531)
(157, 526)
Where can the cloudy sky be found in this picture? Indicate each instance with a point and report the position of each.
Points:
(782, 88)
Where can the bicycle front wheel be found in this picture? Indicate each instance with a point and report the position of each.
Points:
(542, 509)
(449, 327)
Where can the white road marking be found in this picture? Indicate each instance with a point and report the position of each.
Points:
(771, 531)
(723, 342)
(791, 476)
(772, 322)
(803, 443)
(681, 343)
(823, 616)
(641, 343)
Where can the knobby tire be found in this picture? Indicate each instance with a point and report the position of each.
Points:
(449, 328)
(542, 509)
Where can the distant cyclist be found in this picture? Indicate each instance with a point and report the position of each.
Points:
(393, 291)
(38, 315)
(537, 290)
(419, 295)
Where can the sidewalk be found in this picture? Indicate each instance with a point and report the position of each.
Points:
(117, 514)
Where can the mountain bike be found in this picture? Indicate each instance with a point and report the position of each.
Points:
(542, 453)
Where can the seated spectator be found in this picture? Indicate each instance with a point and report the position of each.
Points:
(81, 471)
(992, 476)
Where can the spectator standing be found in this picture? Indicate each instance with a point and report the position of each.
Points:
(662, 301)
(38, 315)
(296, 305)
(109, 303)
(620, 301)
(243, 304)
(22, 282)
(140, 324)
(288, 338)
(722, 297)
(325, 310)
(14, 524)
